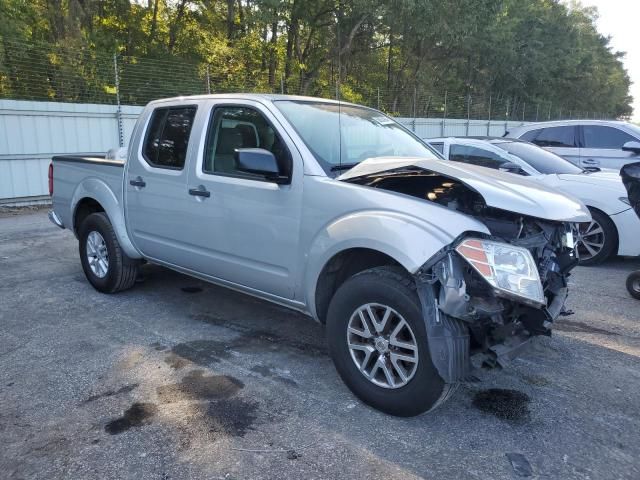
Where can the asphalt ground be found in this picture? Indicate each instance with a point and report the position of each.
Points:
(179, 379)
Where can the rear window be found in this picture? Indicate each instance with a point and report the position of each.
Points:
(167, 139)
(555, 137)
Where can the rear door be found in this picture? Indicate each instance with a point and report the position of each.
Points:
(602, 147)
(247, 227)
(156, 183)
(561, 140)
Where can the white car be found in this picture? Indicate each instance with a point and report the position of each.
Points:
(615, 229)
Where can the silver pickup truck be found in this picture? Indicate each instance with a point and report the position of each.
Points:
(417, 266)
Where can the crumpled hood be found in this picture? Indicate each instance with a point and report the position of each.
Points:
(499, 189)
(610, 180)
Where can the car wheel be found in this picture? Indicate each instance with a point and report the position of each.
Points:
(633, 285)
(596, 240)
(105, 265)
(378, 342)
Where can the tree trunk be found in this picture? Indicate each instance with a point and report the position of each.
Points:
(231, 19)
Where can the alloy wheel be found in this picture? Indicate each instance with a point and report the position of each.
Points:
(382, 345)
(590, 241)
(97, 254)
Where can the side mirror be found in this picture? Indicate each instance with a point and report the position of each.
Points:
(632, 146)
(260, 162)
(511, 167)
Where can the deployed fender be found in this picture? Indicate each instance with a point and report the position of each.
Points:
(98, 190)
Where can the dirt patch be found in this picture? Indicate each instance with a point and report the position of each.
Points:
(505, 404)
(197, 386)
(137, 415)
(176, 361)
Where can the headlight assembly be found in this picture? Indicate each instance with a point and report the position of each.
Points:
(509, 269)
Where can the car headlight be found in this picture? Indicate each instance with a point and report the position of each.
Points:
(509, 269)
(625, 200)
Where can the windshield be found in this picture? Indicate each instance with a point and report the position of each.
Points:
(341, 136)
(540, 159)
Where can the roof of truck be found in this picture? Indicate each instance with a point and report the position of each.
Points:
(270, 97)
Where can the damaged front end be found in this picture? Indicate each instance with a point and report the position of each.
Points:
(505, 288)
(485, 295)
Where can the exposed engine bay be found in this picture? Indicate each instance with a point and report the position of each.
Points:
(473, 315)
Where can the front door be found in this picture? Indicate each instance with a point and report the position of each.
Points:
(156, 184)
(248, 227)
(602, 147)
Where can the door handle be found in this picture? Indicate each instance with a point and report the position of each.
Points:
(200, 191)
(591, 161)
(138, 182)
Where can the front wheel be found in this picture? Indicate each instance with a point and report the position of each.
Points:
(105, 265)
(633, 284)
(596, 240)
(378, 342)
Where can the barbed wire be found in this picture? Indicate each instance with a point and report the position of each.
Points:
(32, 71)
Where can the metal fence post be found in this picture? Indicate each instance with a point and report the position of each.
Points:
(524, 106)
(468, 112)
(506, 118)
(208, 81)
(415, 101)
(537, 109)
(119, 109)
(378, 98)
(444, 116)
(489, 119)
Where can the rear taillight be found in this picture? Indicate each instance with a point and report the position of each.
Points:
(51, 179)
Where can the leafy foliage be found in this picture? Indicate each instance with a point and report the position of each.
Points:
(401, 55)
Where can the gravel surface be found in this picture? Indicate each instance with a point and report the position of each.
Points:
(179, 379)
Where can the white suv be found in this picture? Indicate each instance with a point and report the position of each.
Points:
(587, 143)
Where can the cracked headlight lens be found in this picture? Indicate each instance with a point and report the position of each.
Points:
(509, 269)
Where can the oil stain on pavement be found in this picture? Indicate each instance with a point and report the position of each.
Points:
(136, 415)
(505, 404)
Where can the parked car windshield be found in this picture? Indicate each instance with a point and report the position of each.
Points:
(540, 159)
(341, 136)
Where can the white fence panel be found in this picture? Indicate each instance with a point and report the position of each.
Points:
(452, 127)
(32, 132)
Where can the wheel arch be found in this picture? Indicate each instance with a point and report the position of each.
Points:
(613, 224)
(94, 195)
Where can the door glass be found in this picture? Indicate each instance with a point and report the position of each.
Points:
(556, 137)
(167, 137)
(475, 156)
(241, 127)
(596, 136)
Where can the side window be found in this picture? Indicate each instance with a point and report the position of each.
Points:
(231, 128)
(605, 137)
(556, 137)
(167, 138)
(475, 156)
(530, 135)
(438, 146)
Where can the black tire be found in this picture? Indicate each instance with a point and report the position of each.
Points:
(633, 285)
(122, 271)
(610, 239)
(389, 286)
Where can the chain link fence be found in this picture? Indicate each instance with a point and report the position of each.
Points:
(45, 72)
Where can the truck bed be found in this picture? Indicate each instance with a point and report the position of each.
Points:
(73, 173)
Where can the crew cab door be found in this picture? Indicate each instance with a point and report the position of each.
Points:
(247, 225)
(156, 183)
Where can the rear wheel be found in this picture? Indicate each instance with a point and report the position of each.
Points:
(596, 240)
(378, 342)
(105, 265)
(633, 285)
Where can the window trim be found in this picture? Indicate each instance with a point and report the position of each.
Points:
(243, 176)
(148, 130)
